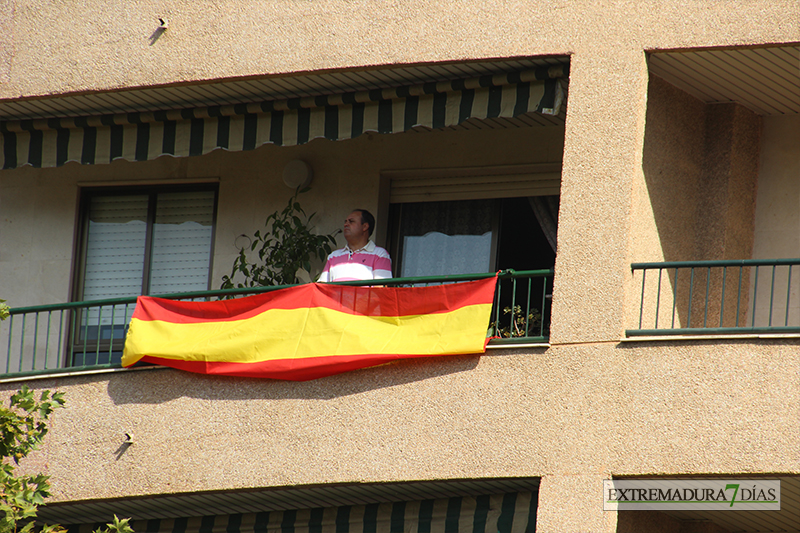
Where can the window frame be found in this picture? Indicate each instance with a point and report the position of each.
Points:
(492, 182)
(86, 195)
(75, 343)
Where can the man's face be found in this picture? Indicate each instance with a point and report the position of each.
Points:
(354, 227)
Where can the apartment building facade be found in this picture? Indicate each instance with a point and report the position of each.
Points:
(639, 160)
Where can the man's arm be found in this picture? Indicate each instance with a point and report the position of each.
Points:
(325, 276)
(382, 267)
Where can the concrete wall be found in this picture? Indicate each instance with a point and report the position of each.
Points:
(777, 225)
(672, 167)
(108, 45)
(697, 201)
(571, 414)
(778, 217)
(114, 46)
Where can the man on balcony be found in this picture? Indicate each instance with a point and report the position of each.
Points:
(361, 258)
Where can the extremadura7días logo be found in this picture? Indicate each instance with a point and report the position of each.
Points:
(692, 494)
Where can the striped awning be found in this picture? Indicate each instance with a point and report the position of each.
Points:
(189, 132)
(503, 513)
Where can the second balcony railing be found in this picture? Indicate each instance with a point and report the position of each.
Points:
(717, 297)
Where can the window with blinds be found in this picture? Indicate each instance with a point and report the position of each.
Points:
(446, 237)
(138, 241)
(464, 220)
(441, 238)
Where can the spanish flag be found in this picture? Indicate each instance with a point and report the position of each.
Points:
(310, 331)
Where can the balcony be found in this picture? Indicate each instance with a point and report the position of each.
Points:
(86, 336)
(733, 297)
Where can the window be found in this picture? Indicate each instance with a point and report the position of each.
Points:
(140, 241)
(471, 236)
(475, 236)
(473, 219)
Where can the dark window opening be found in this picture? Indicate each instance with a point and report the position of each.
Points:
(476, 236)
(471, 236)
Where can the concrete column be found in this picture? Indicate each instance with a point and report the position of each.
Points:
(573, 503)
(602, 159)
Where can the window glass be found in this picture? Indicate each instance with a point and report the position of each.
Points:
(479, 236)
(153, 243)
(523, 244)
(115, 243)
(439, 238)
(474, 236)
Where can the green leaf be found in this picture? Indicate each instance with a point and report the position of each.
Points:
(285, 245)
(24, 425)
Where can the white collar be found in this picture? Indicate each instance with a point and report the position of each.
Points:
(369, 247)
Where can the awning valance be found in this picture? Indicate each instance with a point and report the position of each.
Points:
(189, 132)
(502, 513)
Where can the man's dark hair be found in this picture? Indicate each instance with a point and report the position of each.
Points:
(367, 218)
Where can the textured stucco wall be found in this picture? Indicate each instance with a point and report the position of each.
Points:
(666, 194)
(107, 45)
(577, 413)
(697, 198)
(777, 226)
(728, 191)
(101, 46)
(777, 222)
(600, 162)
(672, 170)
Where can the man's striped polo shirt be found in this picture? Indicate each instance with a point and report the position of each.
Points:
(370, 262)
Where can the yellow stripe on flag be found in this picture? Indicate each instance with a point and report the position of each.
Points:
(309, 332)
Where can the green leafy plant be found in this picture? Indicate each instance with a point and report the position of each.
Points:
(119, 525)
(516, 324)
(286, 246)
(23, 425)
(5, 311)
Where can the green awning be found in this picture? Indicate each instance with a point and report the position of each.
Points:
(503, 513)
(189, 132)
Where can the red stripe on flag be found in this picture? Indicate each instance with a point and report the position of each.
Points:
(287, 369)
(366, 301)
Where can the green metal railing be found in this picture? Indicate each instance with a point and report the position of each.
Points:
(90, 335)
(717, 297)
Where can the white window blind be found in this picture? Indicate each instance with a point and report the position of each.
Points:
(115, 246)
(151, 243)
(182, 242)
(180, 245)
(439, 238)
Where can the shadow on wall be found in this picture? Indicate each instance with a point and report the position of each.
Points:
(700, 164)
(162, 385)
